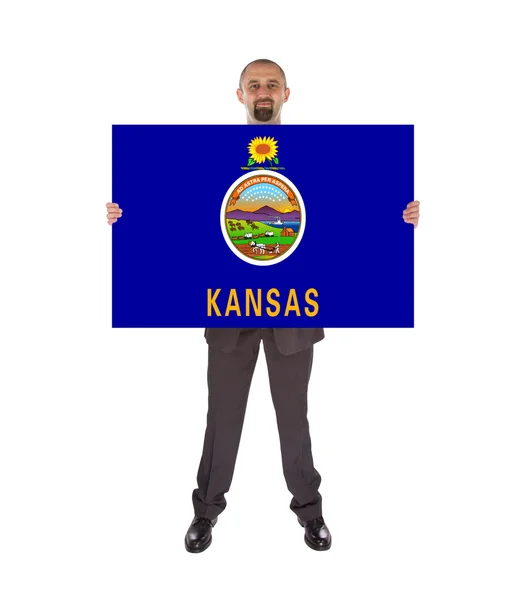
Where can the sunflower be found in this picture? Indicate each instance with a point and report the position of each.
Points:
(262, 149)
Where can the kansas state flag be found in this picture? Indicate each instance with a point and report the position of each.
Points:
(263, 226)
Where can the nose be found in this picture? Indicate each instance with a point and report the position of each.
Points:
(264, 95)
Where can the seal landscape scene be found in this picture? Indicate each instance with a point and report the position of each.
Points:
(263, 218)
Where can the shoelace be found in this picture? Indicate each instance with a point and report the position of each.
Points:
(318, 522)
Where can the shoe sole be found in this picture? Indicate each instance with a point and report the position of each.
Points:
(198, 550)
(314, 547)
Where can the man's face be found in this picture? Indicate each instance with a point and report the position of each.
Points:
(263, 93)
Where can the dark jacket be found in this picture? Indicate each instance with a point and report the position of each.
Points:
(288, 340)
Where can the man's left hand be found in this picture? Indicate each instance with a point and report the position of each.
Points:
(412, 213)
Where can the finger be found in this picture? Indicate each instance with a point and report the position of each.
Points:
(414, 203)
(414, 221)
(411, 211)
(112, 205)
(111, 221)
(114, 211)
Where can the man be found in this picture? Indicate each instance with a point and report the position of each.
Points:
(232, 356)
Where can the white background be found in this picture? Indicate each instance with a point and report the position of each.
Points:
(419, 435)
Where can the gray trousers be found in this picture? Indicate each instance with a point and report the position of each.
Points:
(229, 379)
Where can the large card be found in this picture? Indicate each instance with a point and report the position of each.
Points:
(263, 226)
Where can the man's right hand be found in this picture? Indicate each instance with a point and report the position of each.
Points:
(114, 212)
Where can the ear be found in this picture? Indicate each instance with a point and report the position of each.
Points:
(240, 96)
(286, 95)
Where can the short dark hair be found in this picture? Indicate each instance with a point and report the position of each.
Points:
(261, 61)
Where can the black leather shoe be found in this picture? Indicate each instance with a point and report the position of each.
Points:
(317, 534)
(199, 534)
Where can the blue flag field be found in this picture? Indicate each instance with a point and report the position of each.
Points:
(262, 226)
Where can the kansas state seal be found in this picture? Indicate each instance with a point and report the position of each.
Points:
(263, 217)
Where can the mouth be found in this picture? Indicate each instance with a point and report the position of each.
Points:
(264, 104)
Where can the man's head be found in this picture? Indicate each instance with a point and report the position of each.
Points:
(263, 90)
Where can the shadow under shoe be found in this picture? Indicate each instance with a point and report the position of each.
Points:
(317, 534)
(199, 535)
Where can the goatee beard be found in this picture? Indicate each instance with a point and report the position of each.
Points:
(263, 114)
